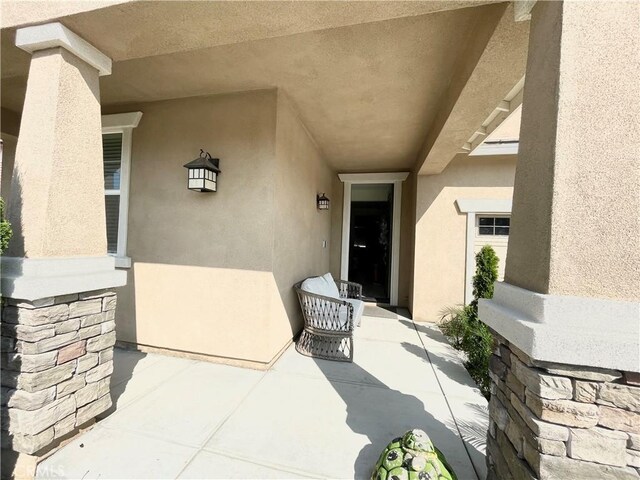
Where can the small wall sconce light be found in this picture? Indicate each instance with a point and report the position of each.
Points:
(203, 173)
(322, 201)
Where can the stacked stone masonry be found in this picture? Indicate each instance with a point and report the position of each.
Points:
(551, 421)
(57, 360)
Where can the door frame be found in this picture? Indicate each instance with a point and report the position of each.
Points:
(394, 178)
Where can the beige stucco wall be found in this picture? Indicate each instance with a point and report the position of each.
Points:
(440, 232)
(576, 204)
(212, 273)
(299, 227)
(336, 206)
(406, 236)
(201, 277)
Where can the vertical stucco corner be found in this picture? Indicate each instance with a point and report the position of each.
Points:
(302, 232)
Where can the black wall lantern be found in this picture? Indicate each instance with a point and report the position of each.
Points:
(203, 173)
(322, 201)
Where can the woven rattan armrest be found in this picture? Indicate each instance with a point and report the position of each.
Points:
(349, 289)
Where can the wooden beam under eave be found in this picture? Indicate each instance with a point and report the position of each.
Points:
(481, 83)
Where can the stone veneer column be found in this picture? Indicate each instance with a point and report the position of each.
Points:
(565, 384)
(58, 328)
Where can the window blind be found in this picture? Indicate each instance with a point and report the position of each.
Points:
(112, 162)
(112, 158)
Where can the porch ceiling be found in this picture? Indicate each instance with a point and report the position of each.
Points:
(367, 77)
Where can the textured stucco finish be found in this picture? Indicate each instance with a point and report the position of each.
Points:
(340, 77)
(440, 232)
(493, 63)
(9, 122)
(213, 272)
(57, 183)
(299, 227)
(189, 25)
(19, 12)
(575, 212)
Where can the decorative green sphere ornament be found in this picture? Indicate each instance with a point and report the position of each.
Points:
(412, 457)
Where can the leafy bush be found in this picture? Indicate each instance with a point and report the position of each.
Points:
(465, 330)
(486, 275)
(478, 345)
(454, 322)
(5, 229)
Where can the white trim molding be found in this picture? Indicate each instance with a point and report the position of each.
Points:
(54, 35)
(505, 109)
(120, 121)
(484, 205)
(471, 207)
(395, 178)
(496, 148)
(583, 331)
(391, 177)
(36, 278)
(522, 10)
(123, 123)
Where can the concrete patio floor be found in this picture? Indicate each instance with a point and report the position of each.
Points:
(305, 418)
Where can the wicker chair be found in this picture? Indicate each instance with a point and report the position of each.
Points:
(329, 322)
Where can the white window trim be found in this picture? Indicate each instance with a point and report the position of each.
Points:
(396, 179)
(473, 207)
(123, 123)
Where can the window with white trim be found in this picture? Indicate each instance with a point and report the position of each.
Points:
(116, 156)
(493, 225)
(112, 162)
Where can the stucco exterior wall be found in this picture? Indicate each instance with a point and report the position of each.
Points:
(336, 226)
(299, 227)
(440, 231)
(213, 273)
(201, 279)
(407, 234)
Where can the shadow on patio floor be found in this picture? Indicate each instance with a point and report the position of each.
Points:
(124, 364)
(404, 412)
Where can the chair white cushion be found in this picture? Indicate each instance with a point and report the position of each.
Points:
(331, 285)
(316, 285)
(358, 309)
(326, 287)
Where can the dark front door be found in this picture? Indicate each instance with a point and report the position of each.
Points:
(370, 239)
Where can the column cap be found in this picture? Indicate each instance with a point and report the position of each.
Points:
(583, 331)
(36, 278)
(53, 35)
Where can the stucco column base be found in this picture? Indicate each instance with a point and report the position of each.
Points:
(57, 360)
(552, 421)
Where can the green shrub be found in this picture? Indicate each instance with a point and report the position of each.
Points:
(486, 275)
(5, 229)
(465, 330)
(454, 322)
(478, 345)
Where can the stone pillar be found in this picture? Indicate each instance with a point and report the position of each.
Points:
(58, 327)
(566, 389)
